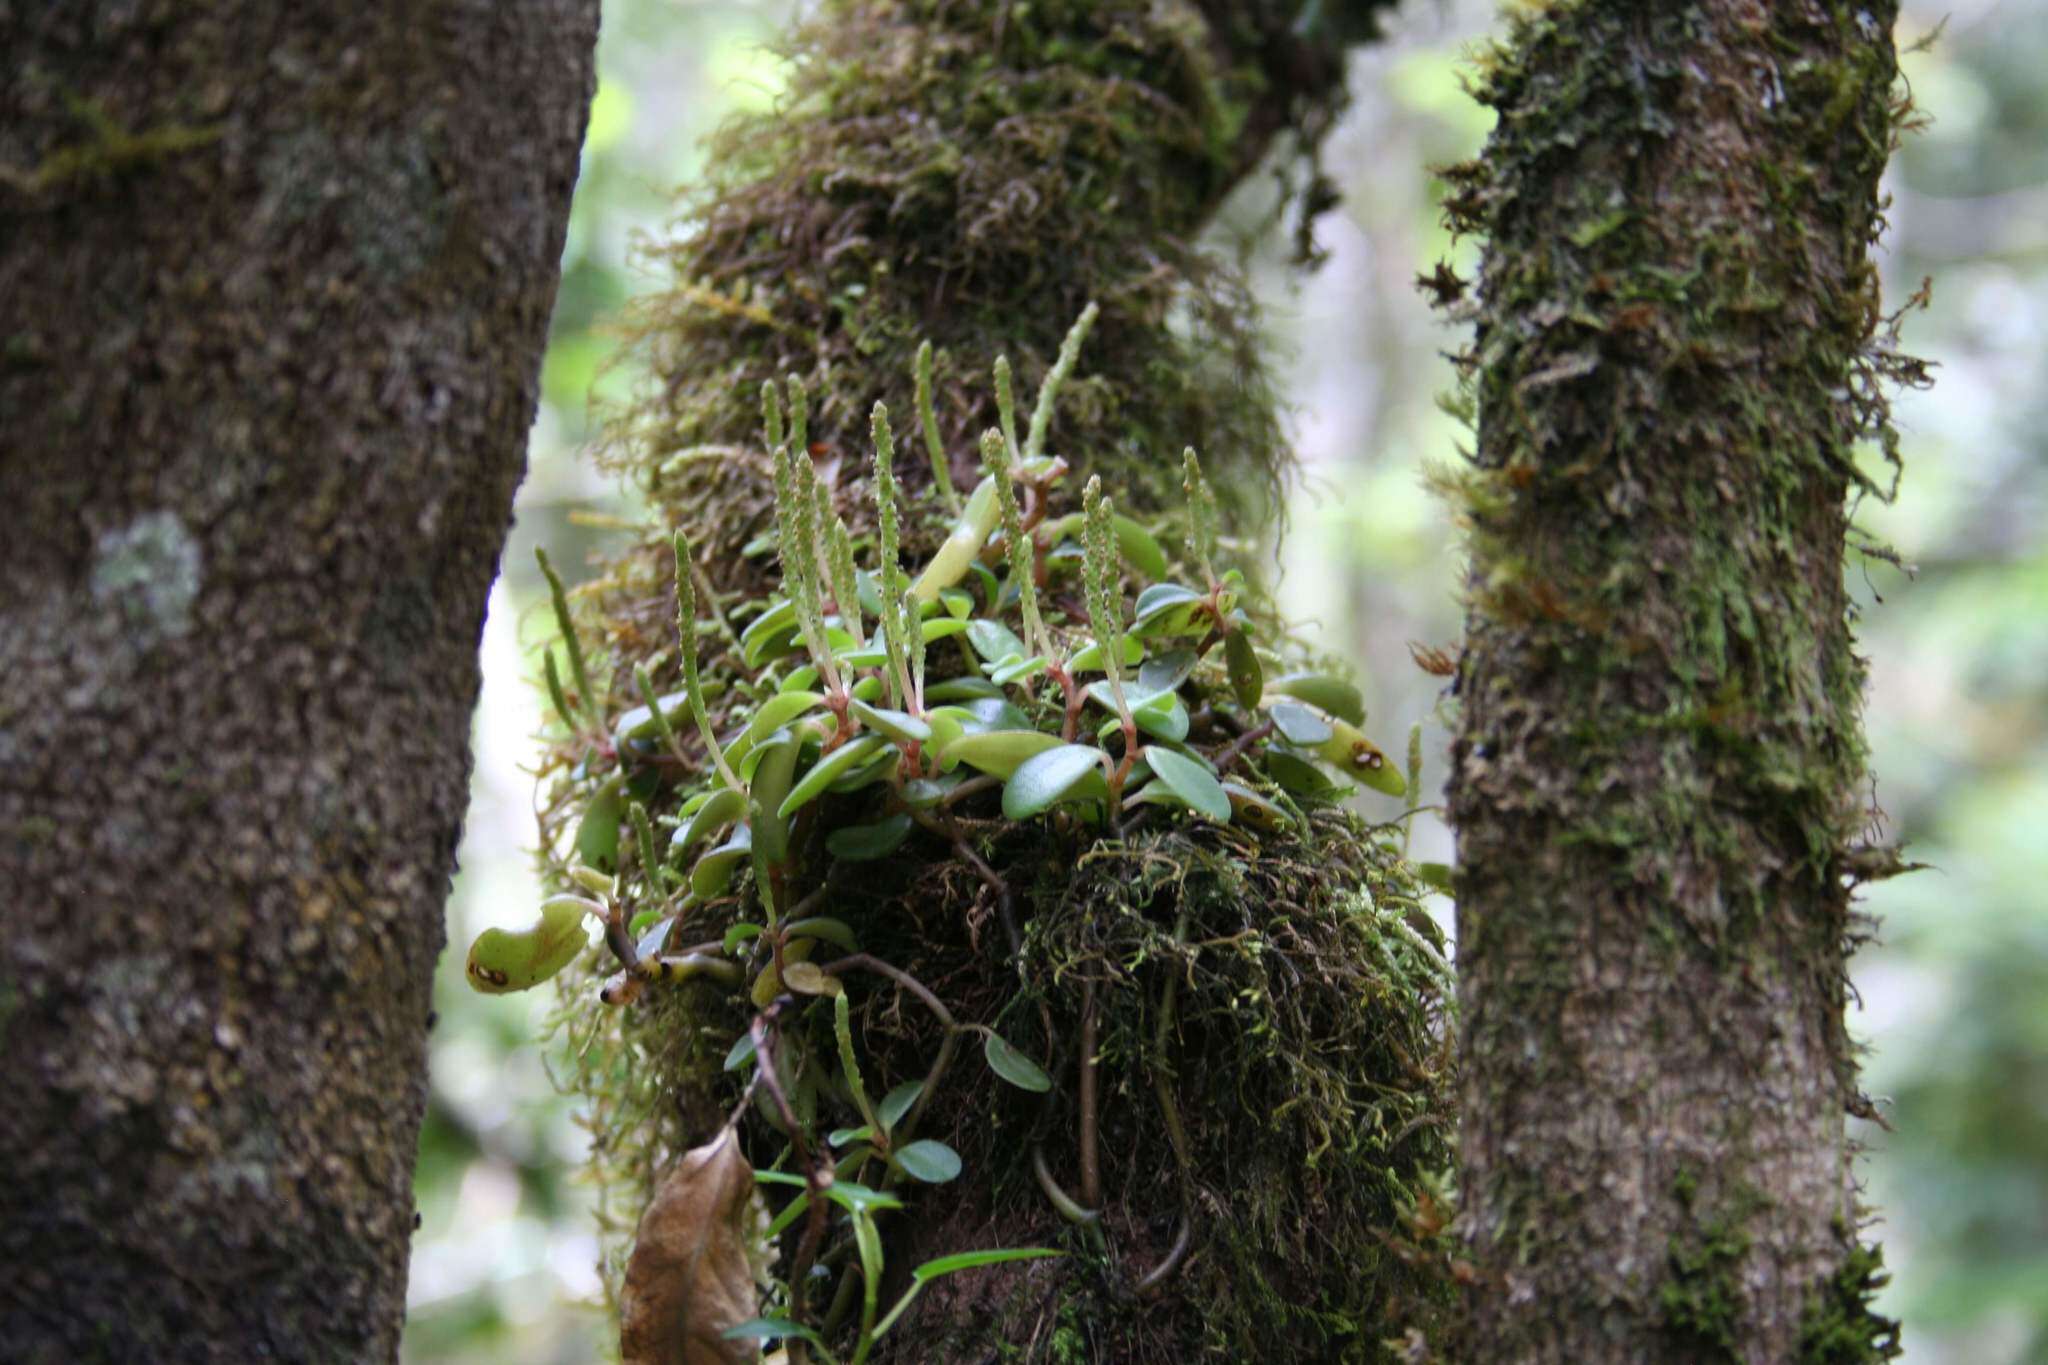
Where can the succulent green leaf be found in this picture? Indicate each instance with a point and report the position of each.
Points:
(865, 843)
(1015, 1066)
(1333, 695)
(639, 725)
(1253, 810)
(503, 960)
(1052, 776)
(1247, 678)
(932, 1162)
(779, 710)
(769, 635)
(994, 641)
(714, 871)
(970, 1260)
(876, 769)
(999, 752)
(1191, 782)
(900, 726)
(1089, 657)
(897, 1103)
(655, 939)
(597, 834)
(1299, 725)
(1296, 773)
(960, 548)
(990, 713)
(1161, 715)
(924, 792)
(824, 772)
(1165, 672)
(1017, 670)
(1166, 609)
(740, 1053)
(1139, 548)
(834, 931)
(1358, 757)
(1159, 596)
(772, 1329)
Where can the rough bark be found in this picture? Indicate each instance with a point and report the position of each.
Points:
(276, 281)
(1659, 762)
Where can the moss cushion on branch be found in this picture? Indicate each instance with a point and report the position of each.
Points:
(1180, 865)
(1234, 1003)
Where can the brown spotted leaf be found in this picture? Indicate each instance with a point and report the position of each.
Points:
(690, 1278)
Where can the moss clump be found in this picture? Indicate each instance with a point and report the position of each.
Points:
(1702, 1298)
(1840, 1326)
(1239, 1018)
(972, 174)
(1269, 1109)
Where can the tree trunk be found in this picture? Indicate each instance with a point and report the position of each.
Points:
(1658, 770)
(276, 280)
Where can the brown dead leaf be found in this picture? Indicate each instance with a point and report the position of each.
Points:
(689, 1278)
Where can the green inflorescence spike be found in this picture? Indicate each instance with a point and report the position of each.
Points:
(1006, 405)
(771, 416)
(686, 628)
(1070, 353)
(845, 583)
(586, 698)
(1023, 560)
(1202, 516)
(928, 418)
(888, 574)
(1099, 570)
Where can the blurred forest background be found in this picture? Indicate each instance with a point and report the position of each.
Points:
(1954, 994)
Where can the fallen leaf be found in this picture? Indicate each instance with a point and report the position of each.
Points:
(690, 1277)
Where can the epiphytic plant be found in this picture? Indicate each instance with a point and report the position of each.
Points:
(864, 708)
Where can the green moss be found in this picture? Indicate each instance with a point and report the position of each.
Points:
(1669, 406)
(1701, 1297)
(1840, 1325)
(941, 172)
(973, 174)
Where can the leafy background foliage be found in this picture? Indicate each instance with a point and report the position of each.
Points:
(1955, 996)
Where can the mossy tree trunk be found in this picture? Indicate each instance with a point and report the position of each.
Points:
(277, 279)
(1658, 777)
(975, 174)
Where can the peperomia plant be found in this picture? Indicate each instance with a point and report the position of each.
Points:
(1041, 667)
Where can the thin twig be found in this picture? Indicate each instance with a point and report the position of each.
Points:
(1227, 756)
(942, 825)
(1091, 1165)
(815, 1181)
